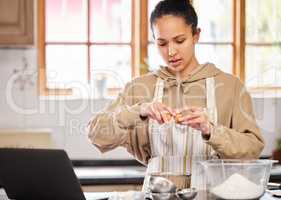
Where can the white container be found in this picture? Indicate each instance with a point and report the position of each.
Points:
(237, 179)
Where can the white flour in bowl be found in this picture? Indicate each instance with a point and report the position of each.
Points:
(237, 187)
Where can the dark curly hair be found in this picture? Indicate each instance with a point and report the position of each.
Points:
(181, 8)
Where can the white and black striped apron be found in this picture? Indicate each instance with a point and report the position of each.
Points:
(172, 139)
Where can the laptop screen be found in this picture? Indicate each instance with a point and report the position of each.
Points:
(38, 174)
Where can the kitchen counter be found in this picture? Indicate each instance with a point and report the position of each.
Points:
(109, 172)
(127, 172)
(275, 174)
(131, 195)
(110, 175)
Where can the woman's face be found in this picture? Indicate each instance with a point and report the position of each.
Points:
(176, 43)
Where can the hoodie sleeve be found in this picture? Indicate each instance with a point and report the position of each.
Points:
(243, 139)
(120, 125)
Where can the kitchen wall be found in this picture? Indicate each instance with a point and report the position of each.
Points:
(21, 107)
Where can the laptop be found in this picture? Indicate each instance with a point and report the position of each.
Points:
(34, 174)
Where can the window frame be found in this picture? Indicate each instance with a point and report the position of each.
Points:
(238, 37)
(238, 44)
(134, 44)
(140, 41)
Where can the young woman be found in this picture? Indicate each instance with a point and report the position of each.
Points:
(183, 109)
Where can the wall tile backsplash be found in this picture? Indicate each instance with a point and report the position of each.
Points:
(21, 107)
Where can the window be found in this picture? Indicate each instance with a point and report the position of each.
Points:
(216, 41)
(84, 43)
(263, 44)
(104, 43)
(154, 59)
(241, 37)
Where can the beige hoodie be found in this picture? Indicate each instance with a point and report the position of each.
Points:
(236, 136)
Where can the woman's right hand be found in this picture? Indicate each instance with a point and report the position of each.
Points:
(157, 111)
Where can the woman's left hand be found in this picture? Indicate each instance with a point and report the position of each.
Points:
(197, 118)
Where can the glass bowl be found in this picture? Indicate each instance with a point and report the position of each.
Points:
(164, 196)
(176, 169)
(236, 179)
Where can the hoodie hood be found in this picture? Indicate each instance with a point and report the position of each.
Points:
(203, 71)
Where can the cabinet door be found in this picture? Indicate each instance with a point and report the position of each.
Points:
(16, 22)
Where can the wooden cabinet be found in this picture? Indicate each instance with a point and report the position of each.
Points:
(16, 22)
